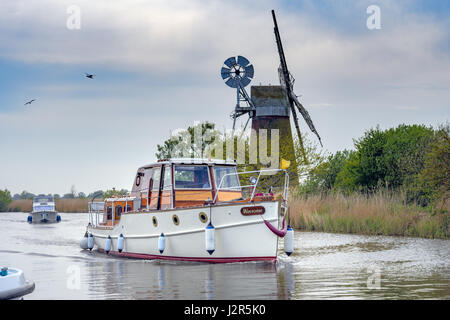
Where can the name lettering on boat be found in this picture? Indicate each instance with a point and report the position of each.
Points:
(251, 211)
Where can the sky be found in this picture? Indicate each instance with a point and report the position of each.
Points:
(157, 69)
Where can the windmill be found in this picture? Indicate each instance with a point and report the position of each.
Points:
(269, 107)
(287, 82)
(238, 73)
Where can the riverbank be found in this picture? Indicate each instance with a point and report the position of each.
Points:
(379, 214)
(62, 205)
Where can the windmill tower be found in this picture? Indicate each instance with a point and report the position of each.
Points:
(270, 107)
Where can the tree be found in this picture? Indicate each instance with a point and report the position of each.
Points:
(25, 195)
(96, 194)
(115, 193)
(312, 171)
(434, 178)
(5, 200)
(348, 178)
(390, 158)
(404, 153)
(371, 167)
(192, 142)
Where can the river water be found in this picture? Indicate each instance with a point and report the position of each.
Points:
(323, 266)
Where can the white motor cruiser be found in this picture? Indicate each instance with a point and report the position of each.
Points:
(44, 210)
(195, 210)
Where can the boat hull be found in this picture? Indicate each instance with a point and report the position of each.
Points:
(238, 237)
(44, 216)
(14, 286)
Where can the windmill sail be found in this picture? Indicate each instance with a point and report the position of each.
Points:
(306, 116)
(287, 81)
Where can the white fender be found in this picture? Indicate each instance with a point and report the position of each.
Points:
(161, 243)
(210, 238)
(120, 241)
(289, 241)
(90, 242)
(108, 245)
(84, 242)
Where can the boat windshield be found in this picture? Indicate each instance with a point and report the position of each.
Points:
(191, 177)
(42, 199)
(229, 175)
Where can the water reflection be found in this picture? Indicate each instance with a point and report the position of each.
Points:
(136, 279)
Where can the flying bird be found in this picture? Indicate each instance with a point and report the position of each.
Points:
(90, 76)
(29, 102)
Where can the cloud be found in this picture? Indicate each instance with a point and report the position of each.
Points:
(192, 38)
(158, 69)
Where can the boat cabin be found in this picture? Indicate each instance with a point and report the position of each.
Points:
(177, 183)
(43, 203)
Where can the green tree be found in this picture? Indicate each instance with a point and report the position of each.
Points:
(348, 178)
(390, 158)
(434, 178)
(96, 194)
(25, 195)
(115, 193)
(371, 167)
(5, 200)
(185, 143)
(404, 153)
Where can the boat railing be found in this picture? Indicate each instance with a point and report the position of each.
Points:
(96, 212)
(264, 182)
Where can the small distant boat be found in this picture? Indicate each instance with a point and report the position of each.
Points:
(194, 210)
(13, 284)
(44, 210)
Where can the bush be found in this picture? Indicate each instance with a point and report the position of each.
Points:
(5, 200)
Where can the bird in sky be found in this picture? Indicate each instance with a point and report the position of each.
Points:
(29, 102)
(90, 76)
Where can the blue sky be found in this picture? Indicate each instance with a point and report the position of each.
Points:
(157, 69)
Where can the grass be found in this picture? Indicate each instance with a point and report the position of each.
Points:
(379, 214)
(62, 205)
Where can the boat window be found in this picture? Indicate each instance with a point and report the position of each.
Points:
(42, 199)
(145, 180)
(108, 213)
(192, 177)
(167, 182)
(229, 175)
(118, 211)
(156, 177)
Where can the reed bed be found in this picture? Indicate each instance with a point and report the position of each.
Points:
(62, 205)
(72, 205)
(20, 205)
(378, 214)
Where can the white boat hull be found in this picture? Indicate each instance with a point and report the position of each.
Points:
(238, 237)
(14, 286)
(44, 216)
